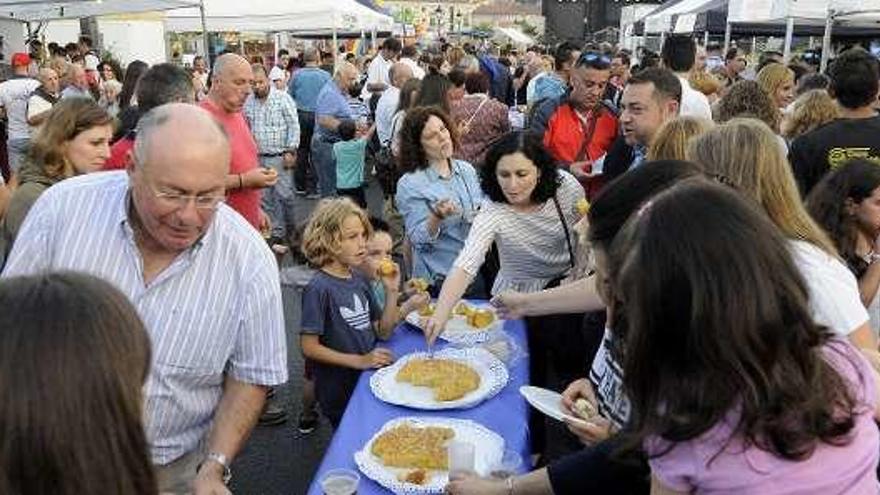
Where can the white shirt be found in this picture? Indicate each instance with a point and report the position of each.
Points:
(531, 246)
(833, 290)
(376, 73)
(693, 103)
(215, 311)
(417, 71)
(14, 95)
(385, 110)
(37, 105)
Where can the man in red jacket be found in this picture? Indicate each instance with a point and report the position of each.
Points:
(578, 128)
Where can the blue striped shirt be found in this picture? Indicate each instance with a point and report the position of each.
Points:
(215, 310)
(273, 122)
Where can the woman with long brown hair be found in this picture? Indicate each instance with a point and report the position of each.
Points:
(73, 359)
(74, 140)
(745, 153)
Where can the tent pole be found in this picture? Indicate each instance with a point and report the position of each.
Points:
(706, 38)
(789, 32)
(205, 33)
(335, 50)
(727, 29)
(826, 41)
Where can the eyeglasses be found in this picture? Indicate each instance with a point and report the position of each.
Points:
(593, 58)
(180, 201)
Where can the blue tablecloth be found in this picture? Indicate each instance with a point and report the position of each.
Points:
(505, 414)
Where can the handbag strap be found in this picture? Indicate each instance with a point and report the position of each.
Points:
(468, 123)
(565, 229)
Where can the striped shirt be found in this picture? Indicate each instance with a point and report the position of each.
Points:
(215, 310)
(273, 122)
(531, 246)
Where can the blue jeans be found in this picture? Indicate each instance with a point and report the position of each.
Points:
(277, 200)
(16, 150)
(324, 165)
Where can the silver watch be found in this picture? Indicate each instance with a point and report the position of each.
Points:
(219, 459)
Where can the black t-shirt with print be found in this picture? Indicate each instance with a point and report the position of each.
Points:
(813, 154)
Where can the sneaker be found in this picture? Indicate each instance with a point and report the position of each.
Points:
(307, 422)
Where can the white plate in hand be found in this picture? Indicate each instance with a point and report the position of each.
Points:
(548, 402)
(457, 329)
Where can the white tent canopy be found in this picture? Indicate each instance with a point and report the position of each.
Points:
(660, 21)
(515, 35)
(278, 15)
(41, 10)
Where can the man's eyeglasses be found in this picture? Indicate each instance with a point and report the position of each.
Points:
(594, 59)
(180, 201)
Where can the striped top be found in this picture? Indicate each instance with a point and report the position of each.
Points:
(215, 310)
(531, 246)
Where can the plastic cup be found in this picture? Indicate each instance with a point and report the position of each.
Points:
(340, 482)
(461, 459)
(509, 465)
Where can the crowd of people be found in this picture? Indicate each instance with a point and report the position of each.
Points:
(690, 242)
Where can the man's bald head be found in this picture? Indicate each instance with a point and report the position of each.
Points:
(178, 175)
(176, 126)
(231, 82)
(399, 74)
(346, 75)
(227, 63)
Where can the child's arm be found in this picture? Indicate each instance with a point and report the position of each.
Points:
(314, 350)
(390, 313)
(414, 302)
(369, 134)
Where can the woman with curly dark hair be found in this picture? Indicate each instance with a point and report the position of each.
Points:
(847, 205)
(438, 196)
(530, 216)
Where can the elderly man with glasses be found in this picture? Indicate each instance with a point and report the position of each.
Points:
(202, 279)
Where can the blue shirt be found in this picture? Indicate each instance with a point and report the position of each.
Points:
(349, 157)
(417, 193)
(304, 86)
(331, 103)
(550, 87)
(214, 312)
(341, 312)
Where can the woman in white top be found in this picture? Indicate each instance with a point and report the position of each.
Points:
(530, 214)
(745, 154)
(847, 205)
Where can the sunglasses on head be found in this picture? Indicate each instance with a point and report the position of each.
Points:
(592, 58)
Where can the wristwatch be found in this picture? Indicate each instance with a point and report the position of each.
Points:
(219, 459)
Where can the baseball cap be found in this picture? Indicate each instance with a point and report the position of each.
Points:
(20, 58)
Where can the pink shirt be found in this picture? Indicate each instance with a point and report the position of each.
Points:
(848, 469)
(243, 151)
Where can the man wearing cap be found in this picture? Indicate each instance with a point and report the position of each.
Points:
(14, 94)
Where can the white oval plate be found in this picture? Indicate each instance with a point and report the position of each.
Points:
(489, 447)
(548, 402)
(493, 378)
(457, 329)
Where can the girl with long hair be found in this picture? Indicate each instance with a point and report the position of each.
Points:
(734, 387)
(847, 205)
